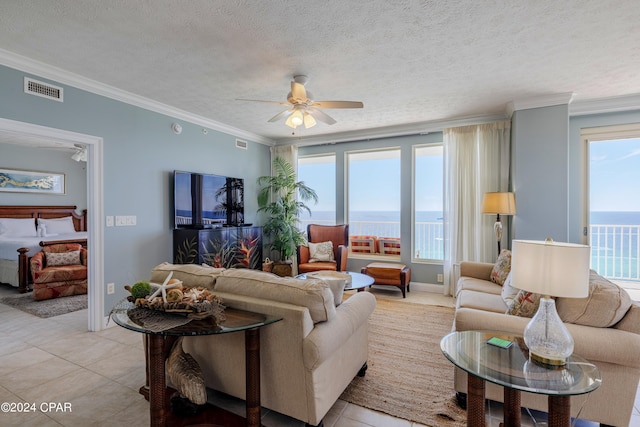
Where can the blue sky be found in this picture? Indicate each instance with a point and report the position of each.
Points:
(378, 184)
(615, 175)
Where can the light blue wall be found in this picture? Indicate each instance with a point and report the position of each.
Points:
(46, 160)
(140, 154)
(420, 272)
(540, 161)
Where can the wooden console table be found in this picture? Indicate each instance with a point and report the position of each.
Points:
(159, 344)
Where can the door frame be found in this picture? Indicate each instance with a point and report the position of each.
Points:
(95, 205)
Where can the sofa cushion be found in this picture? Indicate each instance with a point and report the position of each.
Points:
(336, 281)
(502, 267)
(192, 275)
(606, 304)
(525, 304)
(480, 301)
(314, 294)
(631, 321)
(473, 284)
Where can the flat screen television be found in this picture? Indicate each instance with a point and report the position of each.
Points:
(207, 200)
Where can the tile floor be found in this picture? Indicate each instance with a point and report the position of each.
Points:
(55, 362)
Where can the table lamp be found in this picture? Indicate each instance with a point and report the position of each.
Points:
(551, 269)
(499, 203)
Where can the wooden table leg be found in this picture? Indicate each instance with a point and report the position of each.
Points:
(512, 409)
(559, 411)
(156, 381)
(475, 402)
(252, 354)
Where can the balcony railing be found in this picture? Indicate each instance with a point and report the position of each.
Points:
(429, 238)
(615, 250)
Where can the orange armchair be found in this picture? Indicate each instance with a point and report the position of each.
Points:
(59, 270)
(338, 235)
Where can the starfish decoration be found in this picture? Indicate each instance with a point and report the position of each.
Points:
(163, 288)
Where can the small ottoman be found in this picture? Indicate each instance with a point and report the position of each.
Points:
(392, 274)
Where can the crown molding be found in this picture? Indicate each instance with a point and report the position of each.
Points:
(390, 131)
(28, 65)
(538, 102)
(605, 105)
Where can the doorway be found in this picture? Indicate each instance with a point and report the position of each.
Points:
(614, 206)
(95, 207)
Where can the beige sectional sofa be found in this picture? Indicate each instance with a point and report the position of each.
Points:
(605, 327)
(307, 359)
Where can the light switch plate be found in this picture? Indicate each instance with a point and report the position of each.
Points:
(109, 221)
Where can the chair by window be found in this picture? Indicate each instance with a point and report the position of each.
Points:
(59, 270)
(389, 245)
(363, 244)
(338, 235)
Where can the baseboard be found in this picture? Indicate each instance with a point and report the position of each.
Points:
(427, 287)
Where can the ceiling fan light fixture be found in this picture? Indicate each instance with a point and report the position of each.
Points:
(296, 119)
(309, 121)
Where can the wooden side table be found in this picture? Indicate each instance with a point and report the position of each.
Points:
(159, 344)
(512, 369)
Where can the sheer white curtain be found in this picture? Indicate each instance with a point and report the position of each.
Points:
(476, 162)
(286, 152)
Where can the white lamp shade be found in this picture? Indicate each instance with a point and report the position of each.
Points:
(499, 203)
(550, 268)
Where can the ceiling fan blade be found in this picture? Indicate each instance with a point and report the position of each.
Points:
(323, 117)
(281, 115)
(298, 92)
(286, 104)
(338, 104)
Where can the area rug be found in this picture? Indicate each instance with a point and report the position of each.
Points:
(408, 376)
(46, 308)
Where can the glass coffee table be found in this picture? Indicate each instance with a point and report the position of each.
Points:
(511, 368)
(359, 281)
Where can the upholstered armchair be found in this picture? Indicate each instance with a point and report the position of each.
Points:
(59, 270)
(338, 235)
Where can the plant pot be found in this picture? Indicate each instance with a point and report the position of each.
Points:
(283, 268)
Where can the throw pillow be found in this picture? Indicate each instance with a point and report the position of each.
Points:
(63, 258)
(319, 252)
(606, 304)
(525, 304)
(508, 291)
(502, 267)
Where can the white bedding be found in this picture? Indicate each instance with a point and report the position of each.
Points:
(9, 252)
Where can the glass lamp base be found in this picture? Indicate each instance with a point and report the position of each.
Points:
(546, 336)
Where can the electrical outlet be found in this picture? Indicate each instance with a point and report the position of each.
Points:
(440, 278)
(111, 288)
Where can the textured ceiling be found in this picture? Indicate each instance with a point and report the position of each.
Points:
(408, 61)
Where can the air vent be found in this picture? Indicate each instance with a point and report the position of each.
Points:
(44, 90)
(241, 144)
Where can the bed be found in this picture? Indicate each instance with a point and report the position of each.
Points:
(17, 248)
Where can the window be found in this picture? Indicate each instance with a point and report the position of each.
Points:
(373, 201)
(428, 240)
(614, 206)
(319, 173)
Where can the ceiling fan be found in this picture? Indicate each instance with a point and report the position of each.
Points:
(303, 109)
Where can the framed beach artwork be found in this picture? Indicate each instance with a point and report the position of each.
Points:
(21, 181)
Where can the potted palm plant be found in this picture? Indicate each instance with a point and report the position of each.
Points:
(282, 199)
